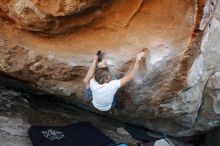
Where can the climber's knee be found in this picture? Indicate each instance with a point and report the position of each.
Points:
(114, 104)
(89, 93)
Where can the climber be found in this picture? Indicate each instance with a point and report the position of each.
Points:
(99, 84)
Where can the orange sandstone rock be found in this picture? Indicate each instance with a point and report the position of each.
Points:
(51, 44)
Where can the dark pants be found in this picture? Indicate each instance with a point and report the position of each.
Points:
(89, 96)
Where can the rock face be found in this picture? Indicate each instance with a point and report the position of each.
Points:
(50, 44)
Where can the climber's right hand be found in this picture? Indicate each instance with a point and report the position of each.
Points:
(140, 55)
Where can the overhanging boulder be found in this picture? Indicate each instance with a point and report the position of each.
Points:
(51, 45)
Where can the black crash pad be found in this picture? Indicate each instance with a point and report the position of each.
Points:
(78, 134)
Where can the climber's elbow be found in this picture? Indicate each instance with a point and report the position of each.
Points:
(86, 81)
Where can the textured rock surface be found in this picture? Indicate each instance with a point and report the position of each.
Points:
(49, 45)
(209, 113)
(13, 132)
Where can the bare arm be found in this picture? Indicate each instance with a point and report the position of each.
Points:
(133, 71)
(90, 72)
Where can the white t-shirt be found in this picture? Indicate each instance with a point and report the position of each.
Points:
(103, 95)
